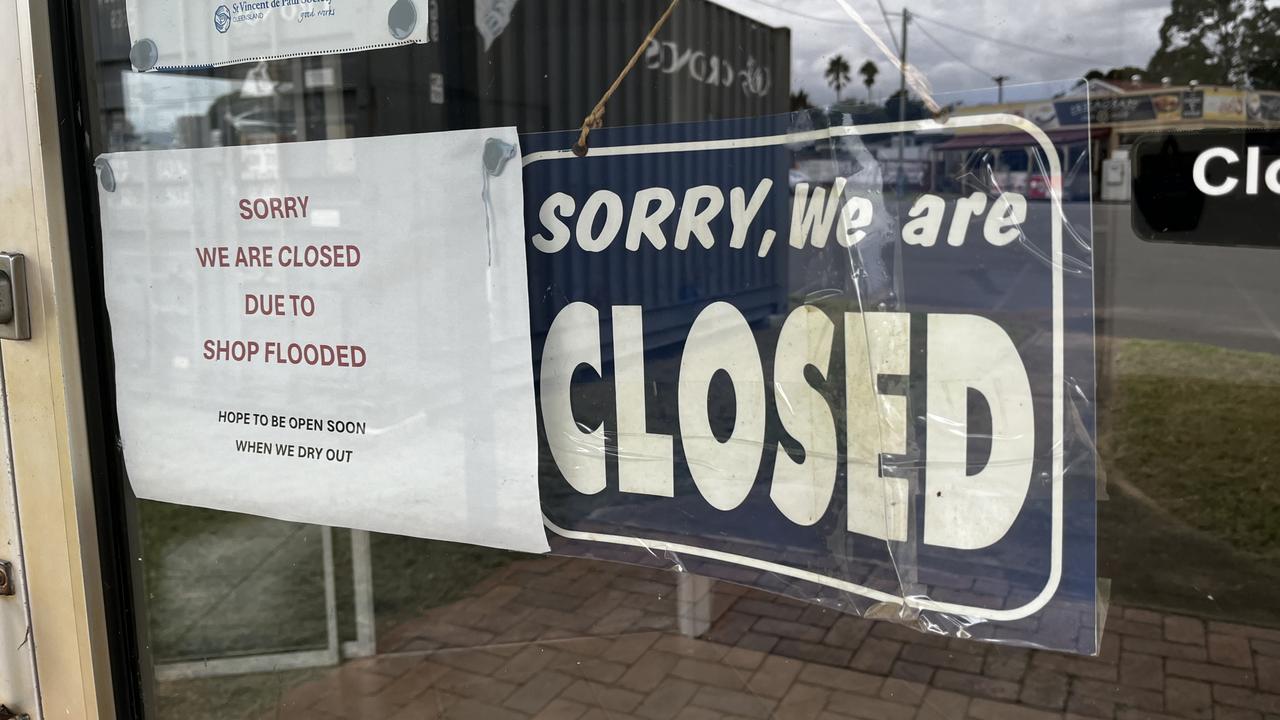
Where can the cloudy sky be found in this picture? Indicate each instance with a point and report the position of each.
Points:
(1072, 37)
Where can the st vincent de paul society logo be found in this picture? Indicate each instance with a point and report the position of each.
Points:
(221, 19)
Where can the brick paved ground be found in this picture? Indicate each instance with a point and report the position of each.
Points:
(557, 639)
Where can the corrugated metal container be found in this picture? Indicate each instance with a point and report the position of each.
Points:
(549, 68)
(556, 58)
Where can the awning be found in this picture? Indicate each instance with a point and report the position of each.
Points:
(1020, 139)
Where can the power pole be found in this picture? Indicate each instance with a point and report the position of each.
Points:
(1000, 87)
(902, 108)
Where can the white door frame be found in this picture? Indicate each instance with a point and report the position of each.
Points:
(44, 441)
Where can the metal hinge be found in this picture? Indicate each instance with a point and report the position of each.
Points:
(15, 318)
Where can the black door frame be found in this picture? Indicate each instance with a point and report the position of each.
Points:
(121, 566)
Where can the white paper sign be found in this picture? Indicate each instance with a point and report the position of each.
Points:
(330, 332)
(169, 35)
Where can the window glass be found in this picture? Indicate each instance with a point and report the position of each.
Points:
(1170, 409)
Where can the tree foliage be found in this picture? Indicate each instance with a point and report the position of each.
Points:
(1219, 42)
(915, 108)
(1120, 74)
(868, 71)
(837, 74)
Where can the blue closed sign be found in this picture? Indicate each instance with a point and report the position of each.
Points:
(756, 361)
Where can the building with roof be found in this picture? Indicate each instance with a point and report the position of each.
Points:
(1100, 116)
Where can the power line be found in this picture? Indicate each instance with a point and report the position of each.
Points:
(914, 77)
(836, 21)
(797, 13)
(889, 26)
(951, 52)
(939, 23)
(911, 75)
(1009, 43)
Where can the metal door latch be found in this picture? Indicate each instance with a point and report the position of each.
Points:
(15, 318)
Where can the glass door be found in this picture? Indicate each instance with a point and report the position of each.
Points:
(1092, 121)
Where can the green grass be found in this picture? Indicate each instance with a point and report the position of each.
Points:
(1188, 442)
(1197, 429)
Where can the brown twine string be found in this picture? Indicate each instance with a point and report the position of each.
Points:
(596, 118)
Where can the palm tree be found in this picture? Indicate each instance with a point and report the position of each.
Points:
(837, 74)
(868, 71)
(800, 101)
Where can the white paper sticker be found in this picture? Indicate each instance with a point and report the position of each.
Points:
(330, 332)
(166, 35)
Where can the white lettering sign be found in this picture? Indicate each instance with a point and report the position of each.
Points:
(671, 59)
(966, 353)
(1253, 172)
(814, 213)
